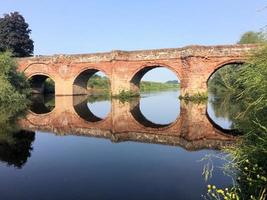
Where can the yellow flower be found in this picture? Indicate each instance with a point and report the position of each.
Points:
(220, 191)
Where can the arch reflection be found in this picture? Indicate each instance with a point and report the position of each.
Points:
(92, 108)
(148, 111)
(42, 104)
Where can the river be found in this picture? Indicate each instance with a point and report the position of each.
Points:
(101, 148)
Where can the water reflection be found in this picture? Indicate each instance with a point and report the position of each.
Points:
(42, 104)
(188, 125)
(92, 108)
(151, 107)
(222, 109)
(15, 148)
(95, 168)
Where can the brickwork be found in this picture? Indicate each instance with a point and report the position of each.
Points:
(193, 66)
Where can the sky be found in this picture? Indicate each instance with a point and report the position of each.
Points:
(87, 26)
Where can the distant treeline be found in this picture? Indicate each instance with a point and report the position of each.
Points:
(102, 83)
(149, 85)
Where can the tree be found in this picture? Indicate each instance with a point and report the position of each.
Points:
(15, 35)
(251, 37)
(14, 87)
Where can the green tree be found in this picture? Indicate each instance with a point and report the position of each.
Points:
(15, 35)
(14, 87)
(252, 37)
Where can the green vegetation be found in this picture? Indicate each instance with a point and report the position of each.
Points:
(224, 79)
(14, 91)
(14, 87)
(49, 87)
(97, 82)
(155, 86)
(252, 37)
(248, 157)
(197, 98)
(14, 35)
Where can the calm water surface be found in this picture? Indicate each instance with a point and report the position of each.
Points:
(146, 149)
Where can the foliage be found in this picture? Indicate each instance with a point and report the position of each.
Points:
(14, 87)
(247, 158)
(98, 82)
(14, 35)
(49, 87)
(224, 78)
(14, 91)
(251, 37)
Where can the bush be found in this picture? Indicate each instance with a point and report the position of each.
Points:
(14, 91)
(14, 87)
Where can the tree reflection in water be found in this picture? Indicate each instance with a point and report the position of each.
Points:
(15, 145)
(15, 148)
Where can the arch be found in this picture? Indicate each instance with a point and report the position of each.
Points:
(37, 82)
(223, 64)
(141, 71)
(32, 64)
(81, 80)
(39, 68)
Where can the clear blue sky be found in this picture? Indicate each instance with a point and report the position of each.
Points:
(84, 26)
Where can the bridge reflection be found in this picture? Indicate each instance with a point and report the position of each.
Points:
(192, 130)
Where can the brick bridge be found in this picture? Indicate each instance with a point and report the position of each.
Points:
(193, 66)
(192, 129)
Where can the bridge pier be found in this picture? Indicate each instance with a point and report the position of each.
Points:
(194, 85)
(63, 87)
